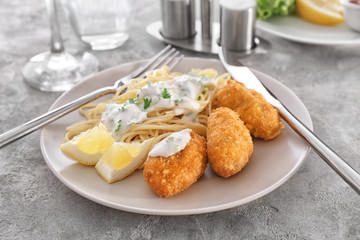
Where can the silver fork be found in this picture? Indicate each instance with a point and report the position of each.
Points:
(168, 56)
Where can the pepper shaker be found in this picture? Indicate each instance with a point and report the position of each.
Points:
(206, 19)
(237, 24)
(178, 18)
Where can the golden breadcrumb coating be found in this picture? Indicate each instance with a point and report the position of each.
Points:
(168, 176)
(259, 116)
(229, 144)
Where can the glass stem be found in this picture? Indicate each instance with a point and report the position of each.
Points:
(56, 43)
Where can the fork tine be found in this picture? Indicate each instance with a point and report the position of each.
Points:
(166, 63)
(166, 55)
(142, 68)
(170, 56)
(176, 62)
(158, 63)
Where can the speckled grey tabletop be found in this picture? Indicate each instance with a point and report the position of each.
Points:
(314, 204)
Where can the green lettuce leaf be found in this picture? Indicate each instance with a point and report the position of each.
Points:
(268, 8)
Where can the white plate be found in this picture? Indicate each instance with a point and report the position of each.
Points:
(272, 163)
(296, 29)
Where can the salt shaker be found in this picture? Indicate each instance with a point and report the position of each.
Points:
(237, 24)
(178, 18)
(206, 19)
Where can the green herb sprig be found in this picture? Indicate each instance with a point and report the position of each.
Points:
(165, 94)
(147, 102)
(135, 100)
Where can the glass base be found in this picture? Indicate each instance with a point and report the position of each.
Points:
(55, 72)
(106, 41)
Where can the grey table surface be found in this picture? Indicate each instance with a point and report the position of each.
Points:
(314, 204)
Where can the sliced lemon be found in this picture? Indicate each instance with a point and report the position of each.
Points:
(89, 146)
(323, 12)
(122, 159)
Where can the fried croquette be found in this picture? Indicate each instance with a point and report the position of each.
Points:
(259, 116)
(168, 176)
(229, 144)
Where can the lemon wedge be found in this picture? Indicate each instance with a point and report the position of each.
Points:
(323, 12)
(122, 159)
(89, 146)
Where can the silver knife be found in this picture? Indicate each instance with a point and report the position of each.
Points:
(243, 74)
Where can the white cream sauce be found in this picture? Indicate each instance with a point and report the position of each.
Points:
(181, 92)
(117, 118)
(172, 144)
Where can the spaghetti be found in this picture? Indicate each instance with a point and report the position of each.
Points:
(155, 106)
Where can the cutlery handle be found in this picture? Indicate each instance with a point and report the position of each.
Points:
(33, 125)
(326, 153)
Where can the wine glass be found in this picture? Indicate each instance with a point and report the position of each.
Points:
(57, 70)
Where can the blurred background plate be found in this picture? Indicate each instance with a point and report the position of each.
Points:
(296, 29)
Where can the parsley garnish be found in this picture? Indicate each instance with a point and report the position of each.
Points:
(136, 100)
(119, 126)
(165, 94)
(147, 102)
